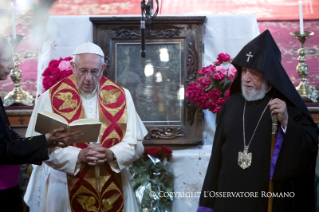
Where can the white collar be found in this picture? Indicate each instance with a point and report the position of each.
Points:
(88, 95)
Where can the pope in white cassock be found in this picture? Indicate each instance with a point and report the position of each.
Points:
(68, 181)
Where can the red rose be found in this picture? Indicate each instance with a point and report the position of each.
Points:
(167, 152)
(202, 99)
(54, 63)
(223, 58)
(153, 151)
(200, 72)
(68, 59)
(219, 76)
(55, 72)
(193, 91)
(226, 95)
(220, 101)
(217, 110)
(214, 93)
(207, 71)
(47, 72)
(217, 63)
(65, 74)
(205, 82)
(210, 104)
(48, 82)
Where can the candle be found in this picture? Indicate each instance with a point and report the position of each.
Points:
(13, 17)
(301, 18)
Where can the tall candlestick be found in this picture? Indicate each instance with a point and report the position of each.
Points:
(301, 18)
(13, 17)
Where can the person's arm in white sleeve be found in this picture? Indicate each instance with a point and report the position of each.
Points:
(62, 159)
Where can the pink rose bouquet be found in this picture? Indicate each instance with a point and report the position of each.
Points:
(213, 85)
(56, 71)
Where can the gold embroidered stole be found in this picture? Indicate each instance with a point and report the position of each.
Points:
(66, 101)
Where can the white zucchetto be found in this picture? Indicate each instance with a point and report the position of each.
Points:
(89, 48)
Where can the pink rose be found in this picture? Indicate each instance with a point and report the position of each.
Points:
(219, 76)
(232, 72)
(64, 65)
(221, 69)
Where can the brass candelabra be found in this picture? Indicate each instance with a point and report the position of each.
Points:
(17, 96)
(306, 91)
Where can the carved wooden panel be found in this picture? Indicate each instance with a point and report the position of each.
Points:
(157, 85)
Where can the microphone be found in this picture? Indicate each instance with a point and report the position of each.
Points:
(147, 9)
(143, 52)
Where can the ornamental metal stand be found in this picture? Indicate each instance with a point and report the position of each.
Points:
(306, 91)
(17, 96)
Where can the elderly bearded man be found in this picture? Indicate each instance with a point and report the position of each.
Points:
(240, 159)
(67, 181)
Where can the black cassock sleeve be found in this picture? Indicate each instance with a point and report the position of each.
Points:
(23, 150)
(298, 152)
(212, 174)
(297, 159)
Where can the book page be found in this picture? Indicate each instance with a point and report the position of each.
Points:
(91, 131)
(85, 121)
(47, 121)
(54, 116)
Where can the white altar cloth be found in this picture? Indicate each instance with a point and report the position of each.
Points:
(223, 33)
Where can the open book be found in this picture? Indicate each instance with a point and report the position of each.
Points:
(48, 121)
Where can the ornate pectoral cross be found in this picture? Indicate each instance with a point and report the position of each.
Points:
(244, 158)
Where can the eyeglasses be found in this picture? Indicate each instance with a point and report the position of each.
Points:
(84, 71)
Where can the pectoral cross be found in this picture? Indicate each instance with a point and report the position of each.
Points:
(244, 158)
(249, 56)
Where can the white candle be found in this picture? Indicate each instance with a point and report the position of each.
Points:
(301, 18)
(13, 17)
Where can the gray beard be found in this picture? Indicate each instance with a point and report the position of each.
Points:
(255, 94)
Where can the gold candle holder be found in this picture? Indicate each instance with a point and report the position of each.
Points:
(306, 91)
(17, 96)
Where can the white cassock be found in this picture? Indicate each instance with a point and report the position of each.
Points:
(48, 190)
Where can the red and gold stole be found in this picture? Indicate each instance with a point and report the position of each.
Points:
(66, 102)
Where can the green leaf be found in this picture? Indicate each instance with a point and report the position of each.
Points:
(209, 88)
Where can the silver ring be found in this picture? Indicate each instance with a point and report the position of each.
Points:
(95, 161)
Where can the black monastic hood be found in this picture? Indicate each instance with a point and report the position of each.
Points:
(263, 54)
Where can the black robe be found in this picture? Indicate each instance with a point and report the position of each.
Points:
(15, 150)
(294, 170)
